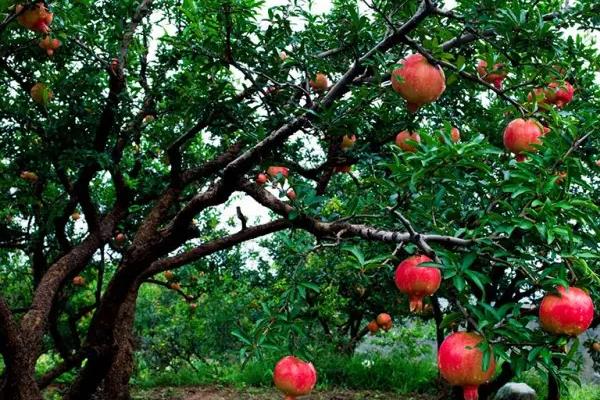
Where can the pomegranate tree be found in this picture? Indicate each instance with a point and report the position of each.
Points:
(568, 312)
(417, 281)
(403, 137)
(294, 377)
(418, 82)
(460, 361)
(521, 135)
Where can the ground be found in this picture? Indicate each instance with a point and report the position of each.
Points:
(223, 393)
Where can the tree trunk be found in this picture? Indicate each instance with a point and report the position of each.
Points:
(19, 382)
(116, 383)
(553, 388)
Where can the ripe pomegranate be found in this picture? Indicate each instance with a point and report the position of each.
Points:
(29, 176)
(570, 312)
(454, 136)
(294, 377)
(175, 286)
(36, 17)
(168, 275)
(291, 194)
(538, 95)
(596, 347)
(320, 82)
(373, 327)
(342, 169)
(75, 216)
(461, 363)
(273, 171)
(520, 135)
(418, 82)
(401, 140)
(41, 94)
(120, 238)
(261, 179)
(560, 94)
(384, 321)
(49, 45)
(79, 280)
(347, 142)
(495, 77)
(417, 282)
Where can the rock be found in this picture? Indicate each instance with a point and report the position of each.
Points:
(515, 391)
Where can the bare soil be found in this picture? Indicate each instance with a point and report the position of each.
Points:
(224, 393)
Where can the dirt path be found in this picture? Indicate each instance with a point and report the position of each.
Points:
(221, 393)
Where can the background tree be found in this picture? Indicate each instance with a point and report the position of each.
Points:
(152, 114)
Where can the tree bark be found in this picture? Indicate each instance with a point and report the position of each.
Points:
(116, 383)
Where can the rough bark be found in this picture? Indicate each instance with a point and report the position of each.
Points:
(116, 383)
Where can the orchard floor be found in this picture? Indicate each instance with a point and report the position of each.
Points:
(221, 393)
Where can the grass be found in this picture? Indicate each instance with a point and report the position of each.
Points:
(393, 373)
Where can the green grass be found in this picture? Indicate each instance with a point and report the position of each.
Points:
(393, 373)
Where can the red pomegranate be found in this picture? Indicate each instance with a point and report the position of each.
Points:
(461, 363)
(520, 135)
(560, 94)
(348, 142)
(373, 327)
(49, 45)
(261, 179)
(273, 171)
(384, 321)
(418, 82)
(320, 82)
(570, 312)
(401, 140)
(36, 17)
(294, 377)
(291, 194)
(495, 77)
(454, 136)
(79, 280)
(417, 282)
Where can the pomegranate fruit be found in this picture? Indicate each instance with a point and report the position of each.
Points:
(461, 363)
(29, 176)
(495, 76)
(79, 280)
(418, 82)
(417, 282)
(454, 136)
(36, 17)
(383, 319)
(403, 137)
(596, 347)
(520, 135)
(75, 216)
(168, 275)
(120, 238)
(49, 45)
(291, 194)
(41, 94)
(347, 142)
(570, 312)
(175, 286)
(294, 377)
(560, 94)
(261, 179)
(320, 82)
(373, 327)
(274, 171)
